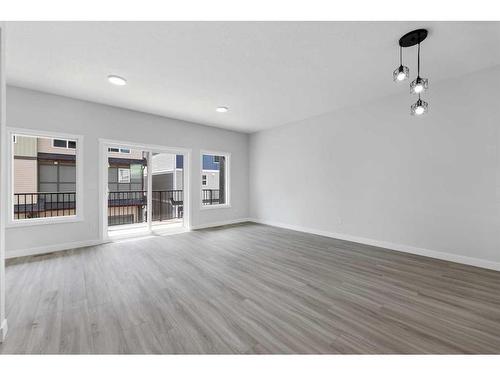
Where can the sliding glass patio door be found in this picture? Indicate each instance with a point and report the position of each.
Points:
(167, 188)
(127, 187)
(145, 189)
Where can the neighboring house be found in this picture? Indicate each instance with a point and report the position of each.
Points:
(167, 171)
(126, 183)
(126, 169)
(44, 167)
(167, 186)
(45, 181)
(212, 181)
(210, 172)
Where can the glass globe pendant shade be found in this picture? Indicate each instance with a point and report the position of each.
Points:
(401, 73)
(419, 85)
(419, 108)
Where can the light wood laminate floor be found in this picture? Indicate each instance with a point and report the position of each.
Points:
(248, 289)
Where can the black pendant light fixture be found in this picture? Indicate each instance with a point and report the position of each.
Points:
(419, 108)
(402, 72)
(419, 84)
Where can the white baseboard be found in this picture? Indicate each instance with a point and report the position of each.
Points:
(219, 223)
(477, 262)
(51, 248)
(74, 245)
(3, 330)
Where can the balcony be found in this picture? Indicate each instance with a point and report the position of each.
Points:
(210, 196)
(41, 205)
(129, 207)
(124, 207)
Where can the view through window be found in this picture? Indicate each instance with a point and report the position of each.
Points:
(44, 177)
(214, 180)
(128, 171)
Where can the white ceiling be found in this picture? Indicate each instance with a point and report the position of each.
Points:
(267, 73)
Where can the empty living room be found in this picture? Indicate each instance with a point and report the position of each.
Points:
(249, 192)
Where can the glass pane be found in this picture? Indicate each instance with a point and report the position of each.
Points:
(60, 143)
(67, 173)
(47, 173)
(123, 175)
(213, 179)
(48, 187)
(112, 174)
(126, 177)
(136, 173)
(67, 187)
(136, 187)
(123, 187)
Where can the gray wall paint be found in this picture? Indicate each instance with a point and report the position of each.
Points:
(36, 110)
(3, 184)
(376, 172)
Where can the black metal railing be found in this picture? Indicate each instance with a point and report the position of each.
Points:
(124, 207)
(210, 196)
(130, 207)
(38, 205)
(127, 207)
(167, 204)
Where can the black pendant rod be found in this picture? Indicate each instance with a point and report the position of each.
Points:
(418, 64)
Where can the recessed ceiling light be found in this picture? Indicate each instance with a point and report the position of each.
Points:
(117, 80)
(222, 109)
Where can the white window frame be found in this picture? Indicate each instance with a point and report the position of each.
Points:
(150, 149)
(119, 171)
(9, 212)
(119, 150)
(227, 156)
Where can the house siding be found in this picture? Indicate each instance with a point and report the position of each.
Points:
(25, 180)
(45, 146)
(25, 146)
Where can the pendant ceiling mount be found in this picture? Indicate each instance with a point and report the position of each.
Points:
(413, 38)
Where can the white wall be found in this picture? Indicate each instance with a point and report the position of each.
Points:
(3, 185)
(36, 110)
(376, 172)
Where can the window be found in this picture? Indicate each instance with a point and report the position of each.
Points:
(120, 150)
(123, 175)
(63, 143)
(214, 180)
(44, 181)
(56, 176)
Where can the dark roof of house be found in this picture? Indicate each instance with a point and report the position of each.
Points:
(123, 161)
(52, 156)
(65, 157)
